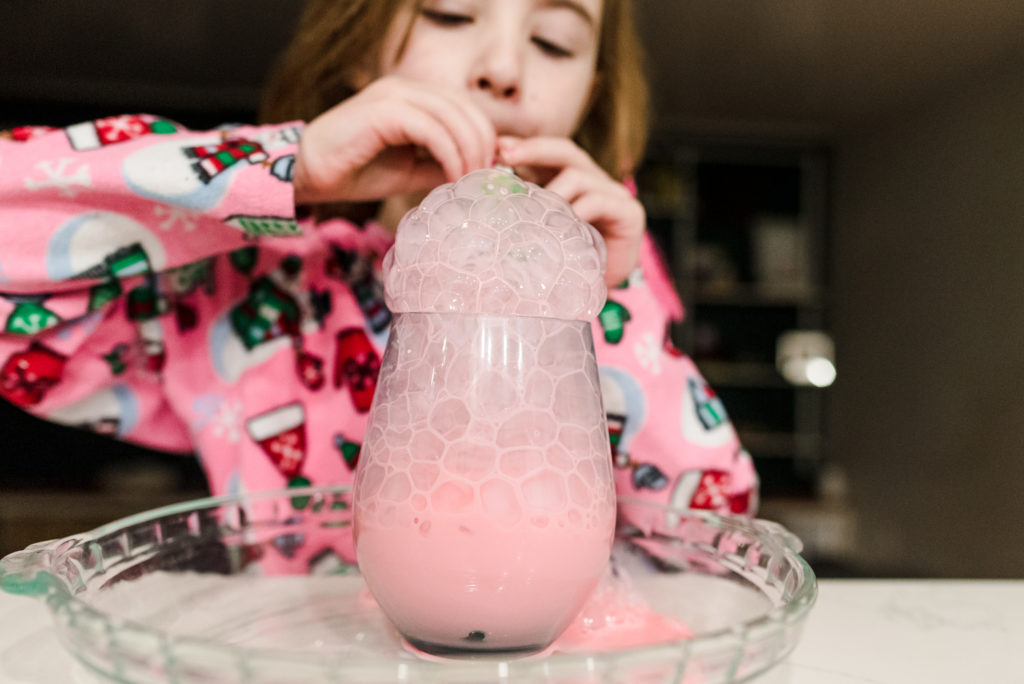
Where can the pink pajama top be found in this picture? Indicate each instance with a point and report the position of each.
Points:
(157, 286)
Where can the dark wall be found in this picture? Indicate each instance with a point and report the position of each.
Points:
(199, 61)
(929, 260)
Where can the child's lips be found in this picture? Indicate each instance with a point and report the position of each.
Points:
(510, 132)
(509, 125)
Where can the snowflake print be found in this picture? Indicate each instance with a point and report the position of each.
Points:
(57, 175)
(711, 491)
(277, 139)
(174, 215)
(118, 128)
(648, 353)
(227, 421)
(26, 133)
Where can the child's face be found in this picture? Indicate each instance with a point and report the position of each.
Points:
(528, 64)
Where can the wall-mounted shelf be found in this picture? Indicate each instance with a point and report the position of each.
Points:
(741, 374)
(743, 229)
(751, 295)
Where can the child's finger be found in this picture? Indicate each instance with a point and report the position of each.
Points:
(621, 224)
(481, 127)
(466, 127)
(456, 129)
(604, 211)
(571, 183)
(550, 152)
(419, 171)
(416, 126)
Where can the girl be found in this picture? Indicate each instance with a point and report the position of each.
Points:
(217, 291)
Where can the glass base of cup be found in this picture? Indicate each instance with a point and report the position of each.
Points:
(473, 645)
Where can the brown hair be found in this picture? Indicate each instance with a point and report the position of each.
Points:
(336, 37)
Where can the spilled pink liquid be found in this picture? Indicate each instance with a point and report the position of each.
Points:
(615, 616)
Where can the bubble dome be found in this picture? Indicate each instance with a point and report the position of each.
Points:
(492, 243)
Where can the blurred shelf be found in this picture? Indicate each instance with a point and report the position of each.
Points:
(29, 516)
(751, 374)
(659, 212)
(754, 295)
(744, 229)
(828, 529)
(779, 444)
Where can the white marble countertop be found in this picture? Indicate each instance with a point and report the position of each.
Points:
(861, 631)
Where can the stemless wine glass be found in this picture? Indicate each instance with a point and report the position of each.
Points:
(484, 502)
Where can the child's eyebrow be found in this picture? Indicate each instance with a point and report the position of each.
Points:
(576, 7)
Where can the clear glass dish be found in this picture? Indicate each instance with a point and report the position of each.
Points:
(203, 591)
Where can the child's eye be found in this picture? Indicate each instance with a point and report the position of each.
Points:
(446, 18)
(551, 49)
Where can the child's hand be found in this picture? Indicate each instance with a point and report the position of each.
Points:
(393, 137)
(561, 166)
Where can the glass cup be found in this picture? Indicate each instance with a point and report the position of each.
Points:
(484, 503)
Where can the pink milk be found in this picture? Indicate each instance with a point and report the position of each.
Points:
(464, 583)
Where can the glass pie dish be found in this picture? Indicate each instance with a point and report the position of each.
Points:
(213, 590)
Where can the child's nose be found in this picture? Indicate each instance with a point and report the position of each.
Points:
(498, 71)
(504, 88)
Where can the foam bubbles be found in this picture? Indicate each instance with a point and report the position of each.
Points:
(493, 243)
(488, 407)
